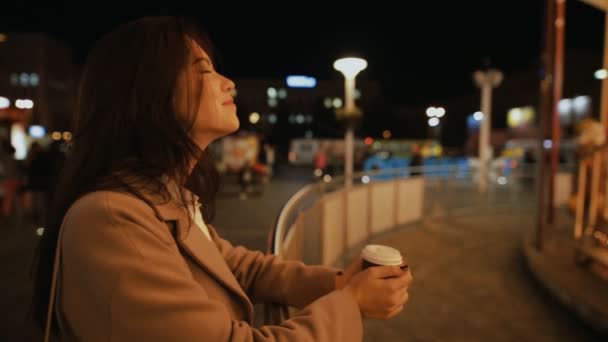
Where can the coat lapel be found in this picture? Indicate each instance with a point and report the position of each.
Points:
(202, 250)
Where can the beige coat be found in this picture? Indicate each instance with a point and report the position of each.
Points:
(132, 272)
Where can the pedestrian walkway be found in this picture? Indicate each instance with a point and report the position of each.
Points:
(471, 284)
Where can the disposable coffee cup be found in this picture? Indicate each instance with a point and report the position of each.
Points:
(380, 255)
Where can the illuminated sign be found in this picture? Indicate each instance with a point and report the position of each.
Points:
(299, 81)
(37, 131)
(520, 116)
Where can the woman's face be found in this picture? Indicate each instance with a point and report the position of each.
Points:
(216, 115)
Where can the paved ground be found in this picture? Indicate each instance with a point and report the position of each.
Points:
(17, 244)
(471, 284)
(247, 222)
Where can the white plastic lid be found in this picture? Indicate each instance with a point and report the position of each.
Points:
(382, 255)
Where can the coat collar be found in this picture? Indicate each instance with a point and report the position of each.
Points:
(195, 244)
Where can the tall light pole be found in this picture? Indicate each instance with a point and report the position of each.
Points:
(350, 68)
(486, 80)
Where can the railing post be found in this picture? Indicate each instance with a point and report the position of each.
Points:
(595, 187)
(605, 166)
(580, 199)
(396, 183)
(370, 209)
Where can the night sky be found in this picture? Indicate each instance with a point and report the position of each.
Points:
(421, 52)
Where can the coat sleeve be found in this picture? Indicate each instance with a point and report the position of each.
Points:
(152, 295)
(266, 278)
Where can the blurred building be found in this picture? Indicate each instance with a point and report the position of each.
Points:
(37, 82)
(299, 106)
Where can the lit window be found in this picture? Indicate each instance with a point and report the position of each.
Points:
(272, 102)
(299, 81)
(4, 102)
(601, 74)
(18, 140)
(581, 104)
(34, 80)
(24, 104)
(37, 131)
(271, 92)
(254, 117)
(327, 103)
(272, 118)
(14, 79)
(337, 102)
(24, 79)
(564, 106)
(282, 93)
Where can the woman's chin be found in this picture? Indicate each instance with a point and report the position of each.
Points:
(230, 127)
(236, 124)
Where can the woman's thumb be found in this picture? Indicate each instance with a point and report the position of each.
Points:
(380, 272)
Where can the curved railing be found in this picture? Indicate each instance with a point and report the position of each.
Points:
(436, 176)
(324, 220)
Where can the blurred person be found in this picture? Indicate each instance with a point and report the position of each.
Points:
(245, 175)
(320, 160)
(137, 257)
(417, 160)
(270, 157)
(10, 177)
(37, 181)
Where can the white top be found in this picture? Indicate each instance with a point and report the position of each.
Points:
(197, 217)
(194, 207)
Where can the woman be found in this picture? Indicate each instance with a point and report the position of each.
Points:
(139, 261)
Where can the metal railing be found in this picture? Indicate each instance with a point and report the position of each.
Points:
(434, 175)
(316, 219)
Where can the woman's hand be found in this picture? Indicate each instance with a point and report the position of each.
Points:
(380, 291)
(344, 277)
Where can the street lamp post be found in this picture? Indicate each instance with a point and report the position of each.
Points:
(434, 115)
(486, 80)
(349, 67)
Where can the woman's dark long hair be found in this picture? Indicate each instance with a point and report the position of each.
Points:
(126, 124)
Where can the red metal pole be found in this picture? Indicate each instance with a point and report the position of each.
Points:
(546, 105)
(558, 81)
